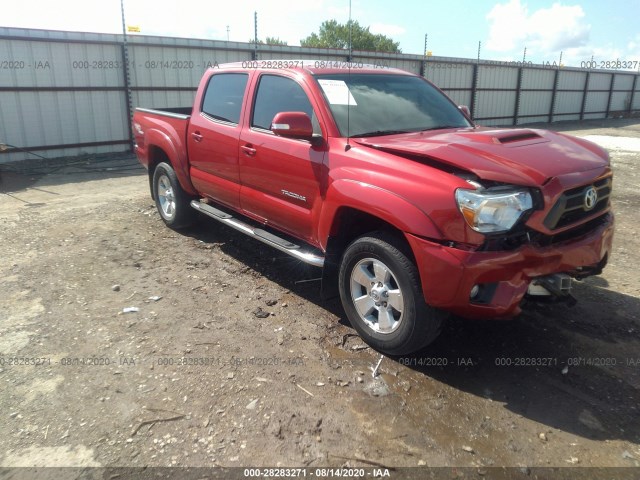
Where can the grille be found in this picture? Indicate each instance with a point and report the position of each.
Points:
(570, 209)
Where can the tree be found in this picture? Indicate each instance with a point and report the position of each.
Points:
(336, 35)
(270, 41)
(274, 41)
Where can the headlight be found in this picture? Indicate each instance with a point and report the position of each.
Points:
(489, 211)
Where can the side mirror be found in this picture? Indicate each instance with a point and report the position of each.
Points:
(292, 125)
(465, 110)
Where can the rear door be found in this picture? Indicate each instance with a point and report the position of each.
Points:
(281, 177)
(212, 137)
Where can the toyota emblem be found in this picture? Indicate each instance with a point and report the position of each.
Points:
(590, 198)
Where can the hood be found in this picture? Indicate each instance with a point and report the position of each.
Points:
(517, 156)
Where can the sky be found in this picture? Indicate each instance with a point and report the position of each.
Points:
(583, 30)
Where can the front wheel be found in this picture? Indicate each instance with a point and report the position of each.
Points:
(381, 295)
(172, 201)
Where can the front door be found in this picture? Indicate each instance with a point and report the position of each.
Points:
(280, 178)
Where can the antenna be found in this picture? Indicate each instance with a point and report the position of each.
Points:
(348, 146)
(350, 45)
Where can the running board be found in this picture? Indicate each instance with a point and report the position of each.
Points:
(265, 237)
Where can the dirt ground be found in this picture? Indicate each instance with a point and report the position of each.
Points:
(233, 360)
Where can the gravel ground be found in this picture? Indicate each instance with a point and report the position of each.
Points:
(229, 357)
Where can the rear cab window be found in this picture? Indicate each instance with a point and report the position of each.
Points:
(222, 100)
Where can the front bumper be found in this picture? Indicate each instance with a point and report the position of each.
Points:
(448, 274)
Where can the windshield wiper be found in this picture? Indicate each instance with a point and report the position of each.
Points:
(442, 127)
(378, 133)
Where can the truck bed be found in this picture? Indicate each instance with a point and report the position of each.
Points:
(162, 125)
(181, 112)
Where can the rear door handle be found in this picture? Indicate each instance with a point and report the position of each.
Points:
(248, 150)
(197, 136)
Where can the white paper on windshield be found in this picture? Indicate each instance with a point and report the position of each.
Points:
(337, 92)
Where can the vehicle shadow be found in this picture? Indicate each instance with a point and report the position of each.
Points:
(300, 278)
(518, 362)
(18, 176)
(576, 369)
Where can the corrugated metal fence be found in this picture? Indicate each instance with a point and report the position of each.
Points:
(65, 93)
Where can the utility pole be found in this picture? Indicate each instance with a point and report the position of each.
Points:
(255, 35)
(127, 77)
(423, 65)
(227, 33)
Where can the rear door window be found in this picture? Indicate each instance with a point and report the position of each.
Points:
(223, 97)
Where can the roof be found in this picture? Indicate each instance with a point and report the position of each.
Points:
(313, 66)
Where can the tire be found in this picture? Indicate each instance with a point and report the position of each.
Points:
(172, 201)
(382, 297)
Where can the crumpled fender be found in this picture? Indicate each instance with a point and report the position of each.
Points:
(376, 201)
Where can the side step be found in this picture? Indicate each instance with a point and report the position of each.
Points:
(265, 237)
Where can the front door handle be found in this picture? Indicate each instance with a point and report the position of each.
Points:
(197, 136)
(248, 150)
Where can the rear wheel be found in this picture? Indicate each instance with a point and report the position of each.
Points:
(172, 201)
(381, 295)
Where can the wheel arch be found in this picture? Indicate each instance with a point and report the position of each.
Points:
(162, 149)
(156, 156)
(352, 209)
(348, 224)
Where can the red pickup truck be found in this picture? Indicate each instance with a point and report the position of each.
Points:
(376, 176)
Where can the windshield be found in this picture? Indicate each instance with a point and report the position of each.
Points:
(379, 104)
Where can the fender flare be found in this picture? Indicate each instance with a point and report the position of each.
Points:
(378, 202)
(157, 139)
(372, 200)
